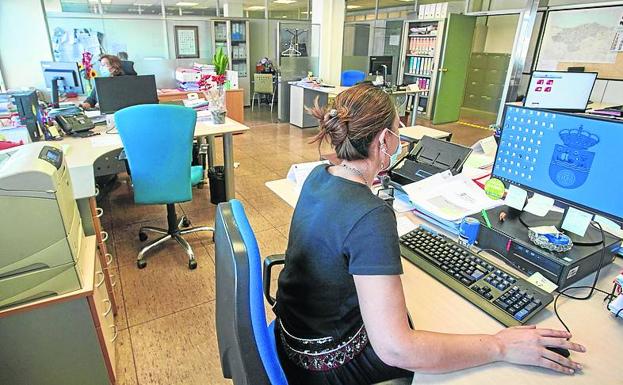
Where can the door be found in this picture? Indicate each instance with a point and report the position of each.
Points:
(453, 68)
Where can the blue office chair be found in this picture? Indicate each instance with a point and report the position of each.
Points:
(352, 77)
(246, 343)
(157, 139)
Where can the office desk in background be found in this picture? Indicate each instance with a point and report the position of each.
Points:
(234, 101)
(446, 312)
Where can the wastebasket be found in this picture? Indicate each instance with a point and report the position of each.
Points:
(216, 176)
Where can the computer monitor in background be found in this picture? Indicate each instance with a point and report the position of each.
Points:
(564, 91)
(62, 77)
(572, 158)
(376, 65)
(117, 92)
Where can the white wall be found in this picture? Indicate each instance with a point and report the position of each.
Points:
(24, 43)
(501, 33)
(330, 15)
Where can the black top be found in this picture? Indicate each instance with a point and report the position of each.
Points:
(339, 229)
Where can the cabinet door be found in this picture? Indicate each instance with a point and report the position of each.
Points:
(453, 68)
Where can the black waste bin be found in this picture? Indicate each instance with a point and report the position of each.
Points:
(216, 176)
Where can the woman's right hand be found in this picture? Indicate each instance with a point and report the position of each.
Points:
(527, 345)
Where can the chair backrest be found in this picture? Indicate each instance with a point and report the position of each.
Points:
(246, 344)
(263, 83)
(352, 77)
(157, 139)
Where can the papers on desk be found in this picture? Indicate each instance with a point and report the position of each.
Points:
(92, 113)
(204, 116)
(449, 197)
(106, 140)
(299, 172)
(404, 225)
(486, 146)
(477, 160)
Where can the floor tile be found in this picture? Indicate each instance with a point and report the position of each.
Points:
(180, 348)
(125, 369)
(273, 208)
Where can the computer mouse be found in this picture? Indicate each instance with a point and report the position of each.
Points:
(561, 351)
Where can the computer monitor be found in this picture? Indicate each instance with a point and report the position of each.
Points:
(377, 62)
(573, 158)
(563, 91)
(117, 92)
(62, 77)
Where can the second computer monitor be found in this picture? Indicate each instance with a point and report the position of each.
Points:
(565, 91)
(66, 74)
(117, 92)
(377, 62)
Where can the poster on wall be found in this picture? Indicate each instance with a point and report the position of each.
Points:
(186, 42)
(617, 41)
(69, 44)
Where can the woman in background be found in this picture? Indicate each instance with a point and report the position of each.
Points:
(110, 65)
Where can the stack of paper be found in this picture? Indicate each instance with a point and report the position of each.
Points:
(448, 198)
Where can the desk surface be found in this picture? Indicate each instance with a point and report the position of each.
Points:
(589, 321)
(417, 132)
(81, 153)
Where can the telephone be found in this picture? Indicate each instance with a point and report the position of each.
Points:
(74, 123)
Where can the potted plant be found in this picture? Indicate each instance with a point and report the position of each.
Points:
(213, 87)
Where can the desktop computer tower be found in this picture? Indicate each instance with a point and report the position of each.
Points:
(27, 104)
(510, 239)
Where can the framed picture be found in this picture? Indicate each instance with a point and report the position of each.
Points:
(186, 42)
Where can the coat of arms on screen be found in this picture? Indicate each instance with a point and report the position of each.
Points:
(571, 161)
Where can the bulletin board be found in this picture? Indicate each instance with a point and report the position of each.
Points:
(186, 42)
(591, 38)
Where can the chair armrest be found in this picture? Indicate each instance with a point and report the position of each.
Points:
(269, 262)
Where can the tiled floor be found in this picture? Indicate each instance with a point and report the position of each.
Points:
(166, 311)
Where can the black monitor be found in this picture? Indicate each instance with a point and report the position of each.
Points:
(559, 90)
(62, 77)
(117, 92)
(377, 62)
(573, 158)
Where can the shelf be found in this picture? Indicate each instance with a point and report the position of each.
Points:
(239, 59)
(238, 41)
(420, 55)
(415, 35)
(416, 75)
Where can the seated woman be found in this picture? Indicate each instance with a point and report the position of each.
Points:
(341, 313)
(110, 65)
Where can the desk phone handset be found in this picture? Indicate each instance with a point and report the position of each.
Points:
(74, 123)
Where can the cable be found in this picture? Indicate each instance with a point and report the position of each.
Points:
(574, 243)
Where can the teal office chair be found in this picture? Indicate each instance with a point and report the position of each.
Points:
(158, 139)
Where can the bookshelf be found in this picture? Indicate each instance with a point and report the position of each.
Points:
(233, 37)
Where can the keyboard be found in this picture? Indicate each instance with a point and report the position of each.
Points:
(501, 294)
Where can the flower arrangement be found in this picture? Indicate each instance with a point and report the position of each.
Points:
(86, 69)
(212, 86)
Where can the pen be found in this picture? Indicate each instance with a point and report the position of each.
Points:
(486, 218)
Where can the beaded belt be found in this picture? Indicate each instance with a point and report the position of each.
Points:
(321, 354)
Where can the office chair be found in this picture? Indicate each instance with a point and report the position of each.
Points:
(352, 77)
(246, 343)
(247, 346)
(157, 139)
(263, 85)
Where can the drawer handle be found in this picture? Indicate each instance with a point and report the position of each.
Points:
(108, 259)
(99, 212)
(107, 301)
(104, 235)
(113, 282)
(116, 333)
(97, 191)
(102, 280)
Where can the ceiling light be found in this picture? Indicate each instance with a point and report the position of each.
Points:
(255, 8)
(103, 1)
(143, 4)
(186, 4)
(353, 6)
(284, 1)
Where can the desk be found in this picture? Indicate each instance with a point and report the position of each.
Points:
(234, 101)
(591, 324)
(414, 134)
(82, 153)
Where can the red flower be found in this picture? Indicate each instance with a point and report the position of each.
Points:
(208, 81)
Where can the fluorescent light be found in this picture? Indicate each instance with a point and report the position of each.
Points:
(284, 1)
(139, 4)
(353, 6)
(255, 8)
(186, 4)
(103, 1)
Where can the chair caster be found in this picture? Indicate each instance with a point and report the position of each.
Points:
(141, 263)
(142, 236)
(192, 264)
(186, 222)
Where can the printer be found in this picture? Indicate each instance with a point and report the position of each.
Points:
(41, 231)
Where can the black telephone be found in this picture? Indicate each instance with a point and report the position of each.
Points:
(74, 123)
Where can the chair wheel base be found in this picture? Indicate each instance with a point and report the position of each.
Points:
(141, 263)
(142, 236)
(192, 264)
(186, 222)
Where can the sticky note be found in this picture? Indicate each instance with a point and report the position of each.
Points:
(576, 221)
(607, 224)
(539, 280)
(516, 197)
(489, 146)
(539, 205)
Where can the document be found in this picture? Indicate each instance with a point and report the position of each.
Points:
(539, 205)
(516, 197)
(538, 280)
(576, 221)
(487, 146)
(404, 225)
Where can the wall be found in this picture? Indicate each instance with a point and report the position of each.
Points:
(501, 33)
(21, 55)
(330, 15)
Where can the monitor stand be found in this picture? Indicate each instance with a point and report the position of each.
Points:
(592, 235)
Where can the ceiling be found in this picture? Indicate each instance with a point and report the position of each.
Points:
(280, 5)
